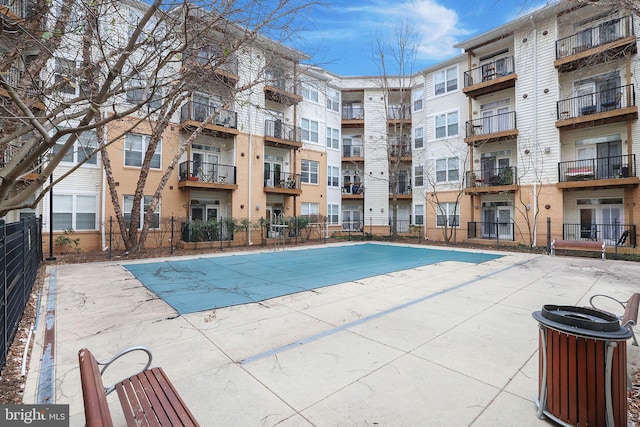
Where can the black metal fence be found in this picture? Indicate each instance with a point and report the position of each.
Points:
(620, 235)
(599, 101)
(493, 230)
(20, 255)
(611, 167)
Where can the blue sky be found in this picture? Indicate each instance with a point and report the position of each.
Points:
(340, 35)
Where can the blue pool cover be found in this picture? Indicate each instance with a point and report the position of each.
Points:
(206, 283)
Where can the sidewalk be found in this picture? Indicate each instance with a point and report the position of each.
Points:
(451, 344)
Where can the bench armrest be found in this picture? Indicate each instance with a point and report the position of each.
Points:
(105, 364)
(622, 303)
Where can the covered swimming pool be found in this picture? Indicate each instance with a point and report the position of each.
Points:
(206, 283)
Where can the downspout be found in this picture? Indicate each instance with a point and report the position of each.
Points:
(535, 132)
(249, 160)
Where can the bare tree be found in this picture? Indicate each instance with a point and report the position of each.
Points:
(76, 66)
(397, 54)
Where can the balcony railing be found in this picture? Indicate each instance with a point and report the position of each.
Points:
(489, 71)
(611, 234)
(401, 188)
(400, 150)
(398, 112)
(276, 179)
(281, 83)
(212, 173)
(20, 8)
(199, 112)
(352, 151)
(492, 124)
(494, 230)
(277, 129)
(492, 177)
(596, 102)
(613, 167)
(352, 188)
(592, 37)
(350, 112)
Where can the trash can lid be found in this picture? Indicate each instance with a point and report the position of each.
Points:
(582, 321)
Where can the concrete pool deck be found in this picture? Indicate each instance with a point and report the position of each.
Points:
(449, 344)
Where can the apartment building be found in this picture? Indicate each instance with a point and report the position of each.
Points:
(531, 127)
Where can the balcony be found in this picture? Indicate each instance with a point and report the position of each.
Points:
(353, 153)
(624, 235)
(352, 190)
(492, 180)
(495, 128)
(403, 191)
(597, 44)
(17, 10)
(282, 183)
(216, 63)
(224, 123)
(206, 176)
(278, 134)
(614, 171)
(398, 114)
(352, 116)
(281, 90)
(490, 77)
(600, 107)
(400, 151)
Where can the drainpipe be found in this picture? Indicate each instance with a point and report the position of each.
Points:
(249, 160)
(535, 132)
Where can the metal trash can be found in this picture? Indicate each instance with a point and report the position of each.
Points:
(582, 367)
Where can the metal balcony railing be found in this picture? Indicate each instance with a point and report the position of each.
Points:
(492, 124)
(491, 177)
(400, 150)
(352, 151)
(401, 188)
(212, 173)
(596, 102)
(612, 167)
(399, 112)
(20, 8)
(277, 179)
(277, 129)
(352, 188)
(199, 112)
(611, 234)
(489, 71)
(596, 36)
(351, 112)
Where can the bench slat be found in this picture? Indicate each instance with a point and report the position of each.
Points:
(182, 412)
(131, 404)
(156, 398)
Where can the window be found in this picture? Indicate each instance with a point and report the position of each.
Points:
(127, 207)
(418, 180)
(447, 169)
(309, 130)
(74, 211)
(333, 214)
(310, 92)
(418, 94)
(445, 81)
(418, 218)
(86, 143)
(333, 176)
(333, 100)
(309, 172)
(447, 214)
(418, 141)
(333, 138)
(135, 147)
(446, 125)
(64, 76)
(310, 209)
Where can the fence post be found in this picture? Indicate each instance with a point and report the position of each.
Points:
(5, 301)
(548, 235)
(23, 282)
(497, 232)
(220, 233)
(172, 235)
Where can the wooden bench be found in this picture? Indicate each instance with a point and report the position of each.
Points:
(629, 318)
(578, 245)
(147, 398)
